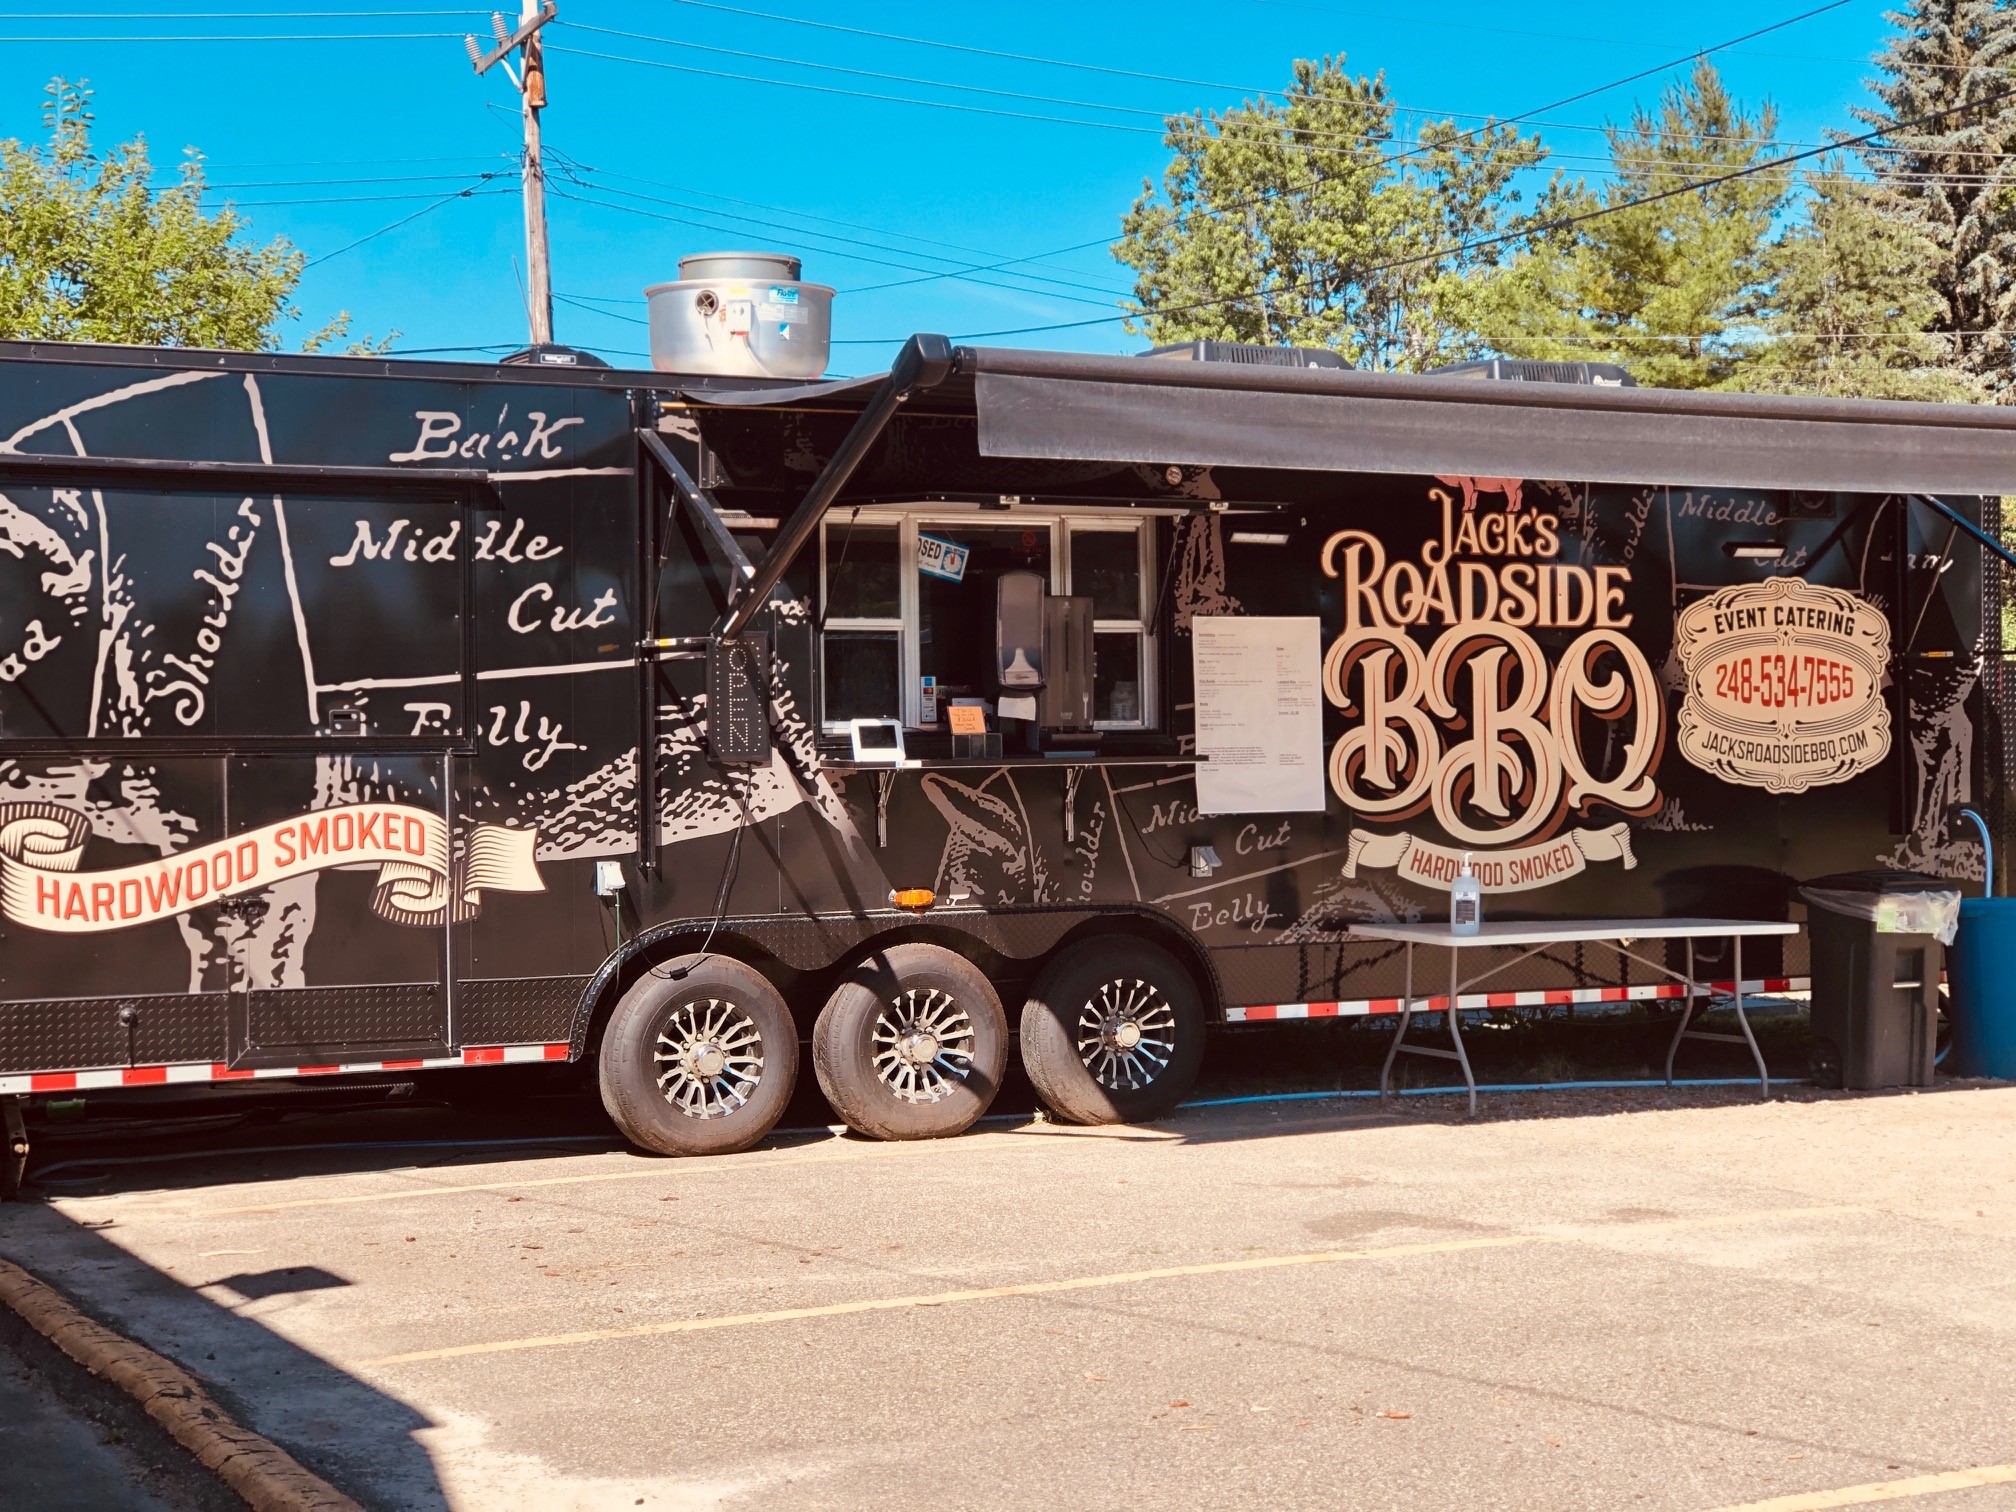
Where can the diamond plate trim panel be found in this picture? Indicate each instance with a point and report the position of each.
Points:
(516, 1010)
(396, 1013)
(49, 1033)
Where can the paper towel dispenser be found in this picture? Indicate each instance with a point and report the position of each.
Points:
(1018, 631)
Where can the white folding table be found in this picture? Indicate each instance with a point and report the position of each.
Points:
(1530, 938)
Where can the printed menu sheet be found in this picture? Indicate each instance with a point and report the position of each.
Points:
(1259, 714)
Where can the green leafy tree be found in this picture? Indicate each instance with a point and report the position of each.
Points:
(1670, 284)
(1956, 171)
(90, 252)
(1852, 297)
(1282, 221)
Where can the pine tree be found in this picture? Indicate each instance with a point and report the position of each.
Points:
(1672, 289)
(1851, 301)
(1282, 222)
(1957, 170)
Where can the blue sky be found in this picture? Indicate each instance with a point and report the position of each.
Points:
(327, 141)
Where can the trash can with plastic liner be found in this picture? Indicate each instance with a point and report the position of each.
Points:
(1878, 943)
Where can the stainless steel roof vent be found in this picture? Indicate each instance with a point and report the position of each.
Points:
(741, 314)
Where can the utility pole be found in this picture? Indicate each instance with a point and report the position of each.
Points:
(530, 78)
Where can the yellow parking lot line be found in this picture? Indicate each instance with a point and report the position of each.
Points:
(1565, 1235)
(716, 1166)
(970, 1294)
(1723, 1220)
(523, 1184)
(1882, 1491)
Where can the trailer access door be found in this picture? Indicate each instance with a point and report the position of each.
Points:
(233, 717)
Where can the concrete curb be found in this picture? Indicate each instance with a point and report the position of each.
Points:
(265, 1475)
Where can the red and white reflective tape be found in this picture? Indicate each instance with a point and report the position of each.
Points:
(210, 1071)
(1265, 1013)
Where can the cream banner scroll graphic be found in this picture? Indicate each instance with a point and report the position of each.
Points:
(1784, 684)
(1499, 871)
(41, 845)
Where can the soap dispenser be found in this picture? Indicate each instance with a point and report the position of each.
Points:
(1466, 901)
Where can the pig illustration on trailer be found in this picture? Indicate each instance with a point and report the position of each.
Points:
(1472, 489)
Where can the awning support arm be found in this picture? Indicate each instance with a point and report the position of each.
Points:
(1948, 513)
(700, 504)
(924, 363)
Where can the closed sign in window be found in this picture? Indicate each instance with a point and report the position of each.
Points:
(941, 559)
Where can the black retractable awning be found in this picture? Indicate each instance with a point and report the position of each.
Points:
(1035, 404)
(1065, 406)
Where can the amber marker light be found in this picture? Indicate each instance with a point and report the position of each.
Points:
(916, 899)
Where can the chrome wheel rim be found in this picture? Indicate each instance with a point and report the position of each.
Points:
(709, 1058)
(1126, 1034)
(922, 1045)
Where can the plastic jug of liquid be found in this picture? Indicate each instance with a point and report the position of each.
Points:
(1466, 901)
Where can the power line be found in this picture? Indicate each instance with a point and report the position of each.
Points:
(982, 52)
(855, 94)
(1510, 31)
(337, 199)
(1425, 20)
(223, 15)
(411, 178)
(248, 37)
(1610, 338)
(1318, 179)
(852, 256)
(495, 346)
(1646, 73)
(579, 303)
(945, 84)
(211, 163)
(1062, 63)
(1262, 131)
(1107, 294)
(404, 220)
(907, 236)
(865, 73)
(1561, 223)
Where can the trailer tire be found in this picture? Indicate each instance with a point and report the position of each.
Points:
(1113, 1032)
(699, 1057)
(912, 1045)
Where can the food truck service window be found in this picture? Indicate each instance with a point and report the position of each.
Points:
(909, 595)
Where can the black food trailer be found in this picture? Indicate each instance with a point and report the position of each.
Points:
(362, 716)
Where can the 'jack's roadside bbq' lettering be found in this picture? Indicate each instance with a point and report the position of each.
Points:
(1505, 760)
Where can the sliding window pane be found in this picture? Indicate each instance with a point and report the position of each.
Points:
(861, 572)
(955, 621)
(1116, 677)
(1106, 566)
(862, 679)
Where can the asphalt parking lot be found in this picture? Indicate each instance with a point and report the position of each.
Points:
(1649, 1299)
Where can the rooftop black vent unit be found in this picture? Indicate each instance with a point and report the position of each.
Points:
(1532, 370)
(551, 355)
(1250, 354)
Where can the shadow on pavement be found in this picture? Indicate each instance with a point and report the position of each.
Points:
(342, 1428)
(536, 1114)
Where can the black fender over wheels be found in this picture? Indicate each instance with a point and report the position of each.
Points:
(1113, 1031)
(699, 1058)
(912, 1045)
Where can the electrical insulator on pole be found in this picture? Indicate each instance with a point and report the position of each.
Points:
(530, 79)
